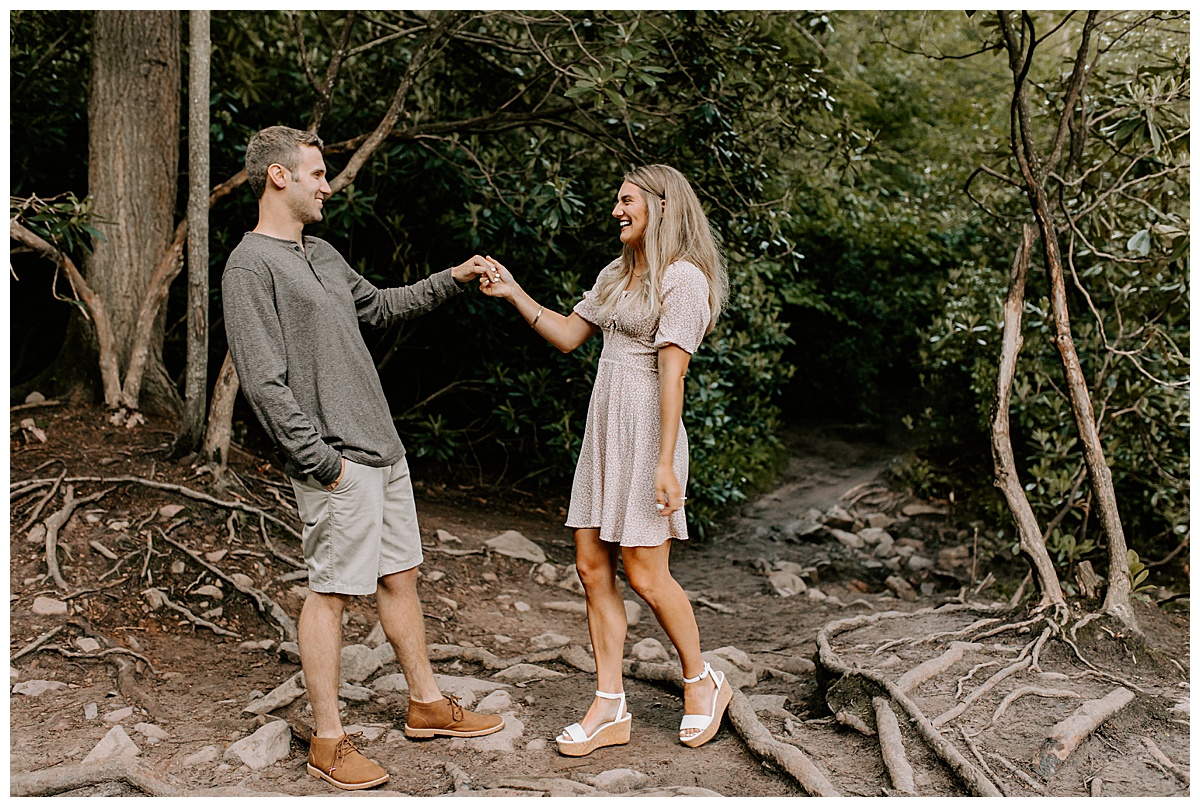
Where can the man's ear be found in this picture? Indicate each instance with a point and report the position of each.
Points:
(278, 175)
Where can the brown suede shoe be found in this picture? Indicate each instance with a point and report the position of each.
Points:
(448, 719)
(337, 761)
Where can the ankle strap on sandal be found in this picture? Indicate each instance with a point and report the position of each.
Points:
(700, 677)
(612, 696)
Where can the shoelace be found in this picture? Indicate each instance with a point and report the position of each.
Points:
(344, 749)
(456, 710)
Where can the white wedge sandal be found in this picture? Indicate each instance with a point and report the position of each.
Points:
(709, 723)
(614, 732)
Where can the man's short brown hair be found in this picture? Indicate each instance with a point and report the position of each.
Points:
(276, 144)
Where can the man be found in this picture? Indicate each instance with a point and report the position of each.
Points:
(292, 312)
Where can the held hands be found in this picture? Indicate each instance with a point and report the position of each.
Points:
(497, 281)
(477, 266)
(667, 492)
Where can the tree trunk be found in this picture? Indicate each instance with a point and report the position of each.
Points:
(133, 164)
(220, 415)
(1117, 599)
(196, 385)
(1031, 541)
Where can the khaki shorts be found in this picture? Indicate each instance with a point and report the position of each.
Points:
(360, 531)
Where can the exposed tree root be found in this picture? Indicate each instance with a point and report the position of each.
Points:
(978, 755)
(1166, 762)
(935, 666)
(265, 604)
(55, 522)
(1015, 771)
(1068, 734)
(571, 655)
(158, 599)
(185, 491)
(787, 757)
(1021, 663)
(892, 746)
(37, 509)
(100, 656)
(35, 644)
(63, 778)
(972, 777)
(1023, 691)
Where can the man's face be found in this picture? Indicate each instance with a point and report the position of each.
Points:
(307, 189)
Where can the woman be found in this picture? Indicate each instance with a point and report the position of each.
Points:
(654, 304)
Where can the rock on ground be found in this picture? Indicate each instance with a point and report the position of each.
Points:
(736, 665)
(633, 612)
(619, 780)
(358, 663)
(495, 703)
(786, 584)
(520, 673)
(265, 747)
(650, 649)
(47, 606)
(35, 688)
(113, 745)
(546, 641)
(502, 741)
(515, 545)
(209, 753)
(278, 697)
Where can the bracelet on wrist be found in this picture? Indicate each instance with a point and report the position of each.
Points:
(537, 317)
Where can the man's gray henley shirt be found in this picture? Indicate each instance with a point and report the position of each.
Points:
(291, 316)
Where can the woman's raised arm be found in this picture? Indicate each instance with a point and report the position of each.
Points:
(564, 332)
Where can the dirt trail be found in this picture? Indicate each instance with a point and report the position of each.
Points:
(488, 601)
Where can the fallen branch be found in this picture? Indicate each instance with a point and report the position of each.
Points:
(789, 758)
(1166, 762)
(1023, 691)
(54, 523)
(64, 778)
(891, 744)
(158, 598)
(264, 603)
(1068, 734)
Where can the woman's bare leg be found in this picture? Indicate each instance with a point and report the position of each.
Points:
(596, 561)
(649, 575)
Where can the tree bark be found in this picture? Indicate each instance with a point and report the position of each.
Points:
(133, 164)
(220, 415)
(1032, 544)
(196, 384)
(1117, 598)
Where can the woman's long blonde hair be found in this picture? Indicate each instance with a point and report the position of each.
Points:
(676, 231)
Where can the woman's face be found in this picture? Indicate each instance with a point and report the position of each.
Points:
(631, 213)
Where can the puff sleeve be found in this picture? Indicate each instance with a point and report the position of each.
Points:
(589, 306)
(685, 311)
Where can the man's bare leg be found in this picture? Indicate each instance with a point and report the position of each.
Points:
(404, 625)
(319, 635)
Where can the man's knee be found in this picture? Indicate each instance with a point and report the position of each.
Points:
(400, 582)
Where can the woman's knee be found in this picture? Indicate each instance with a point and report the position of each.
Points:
(650, 583)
